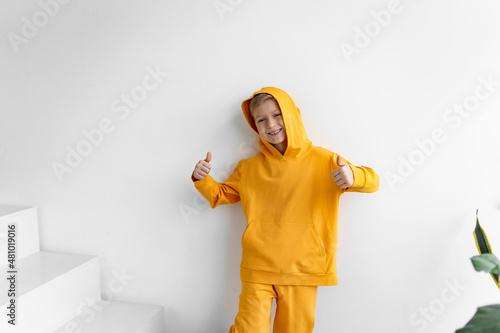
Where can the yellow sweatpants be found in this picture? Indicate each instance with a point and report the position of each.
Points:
(295, 309)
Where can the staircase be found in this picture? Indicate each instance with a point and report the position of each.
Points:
(59, 292)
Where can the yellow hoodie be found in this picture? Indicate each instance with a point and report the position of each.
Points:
(290, 202)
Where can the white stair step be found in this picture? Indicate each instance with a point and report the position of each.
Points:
(26, 221)
(117, 317)
(51, 288)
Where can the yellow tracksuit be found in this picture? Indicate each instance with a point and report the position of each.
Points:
(291, 205)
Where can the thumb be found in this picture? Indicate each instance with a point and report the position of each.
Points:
(209, 157)
(340, 162)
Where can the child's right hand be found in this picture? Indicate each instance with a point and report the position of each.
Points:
(203, 167)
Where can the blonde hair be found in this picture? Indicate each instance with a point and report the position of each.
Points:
(258, 100)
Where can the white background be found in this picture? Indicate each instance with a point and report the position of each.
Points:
(131, 201)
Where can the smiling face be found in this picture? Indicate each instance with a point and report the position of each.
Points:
(269, 122)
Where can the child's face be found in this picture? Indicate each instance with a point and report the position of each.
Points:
(269, 122)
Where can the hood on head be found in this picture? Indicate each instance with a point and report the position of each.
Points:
(297, 141)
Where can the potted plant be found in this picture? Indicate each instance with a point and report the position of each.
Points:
(487, 318)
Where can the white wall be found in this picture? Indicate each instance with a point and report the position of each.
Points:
(131, 201)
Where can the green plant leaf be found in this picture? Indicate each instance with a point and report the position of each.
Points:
(483, 246)
(486, 262)
(486, 320)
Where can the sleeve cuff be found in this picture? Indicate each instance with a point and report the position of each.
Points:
(202, 183)
(359, 177)
(194, 179)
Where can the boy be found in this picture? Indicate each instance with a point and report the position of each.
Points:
(289, 193)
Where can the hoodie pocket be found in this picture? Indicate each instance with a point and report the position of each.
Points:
(283, 248)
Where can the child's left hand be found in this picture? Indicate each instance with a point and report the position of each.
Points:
(343, 174)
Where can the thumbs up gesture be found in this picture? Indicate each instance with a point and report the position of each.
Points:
(203, 167)
(343, 175)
